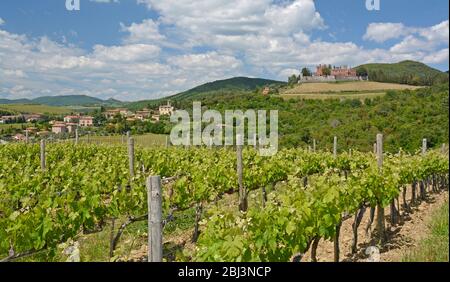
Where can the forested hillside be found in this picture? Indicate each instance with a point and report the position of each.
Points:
(404, 117)
(405, 72)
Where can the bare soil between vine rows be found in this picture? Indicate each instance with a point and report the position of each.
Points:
(401, 238)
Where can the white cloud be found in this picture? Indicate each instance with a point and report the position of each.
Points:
(438, 33)
(199, 21)
(145, 32)
(207, 40)
(437, 57)
(381, 32)
(1, 21)
(127, 53)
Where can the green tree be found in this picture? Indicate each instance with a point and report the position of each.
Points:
(293, 79)
(306, 72)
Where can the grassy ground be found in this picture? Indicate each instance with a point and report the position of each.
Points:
(15, 125)
(146, 140)
(36, 109)
(358, 86)
(435, 247)
(343, 95)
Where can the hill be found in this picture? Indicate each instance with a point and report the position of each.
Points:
(69, 100)
(405, 72)
(227, 86)
(232, 84)
(405, 117)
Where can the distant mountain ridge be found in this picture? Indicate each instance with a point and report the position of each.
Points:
(405, 72)
(218, 87)
(235, 83)
(69, 100)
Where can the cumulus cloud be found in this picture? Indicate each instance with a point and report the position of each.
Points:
(145, 32)
(236, 17)
(193, 42)
(381, 32)
(1, 21)
(37, 67)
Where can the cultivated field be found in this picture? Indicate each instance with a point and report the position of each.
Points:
(37, 109)
(339, 95)
(15, 125)
(346, 87)
(359, 89)
(146, 140)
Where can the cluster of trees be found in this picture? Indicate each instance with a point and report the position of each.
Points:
(404, 117)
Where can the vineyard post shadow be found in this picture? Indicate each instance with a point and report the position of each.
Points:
(154, 202)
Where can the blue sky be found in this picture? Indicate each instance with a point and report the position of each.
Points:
(144, 49)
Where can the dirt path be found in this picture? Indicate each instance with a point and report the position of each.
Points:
(412, 228)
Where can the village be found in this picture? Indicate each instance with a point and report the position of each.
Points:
(69, 124)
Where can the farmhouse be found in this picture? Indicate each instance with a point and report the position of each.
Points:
(86, 121)
(59, 128)
(110, 114)
(71, 118)
(144, 114)
(32, 118)
(71, 127)
(166, 109)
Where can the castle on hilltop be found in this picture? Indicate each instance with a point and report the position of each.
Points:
(327, 73)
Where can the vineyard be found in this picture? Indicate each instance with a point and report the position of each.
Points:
(53, 194)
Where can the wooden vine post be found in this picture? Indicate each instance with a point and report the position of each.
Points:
(314, 145)
(380, 209)
(155, 223)
(131, 156)
(335, 147)
(26, 136)
(422, 183)
(339, 224)
(243, 204)
(43, 163)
